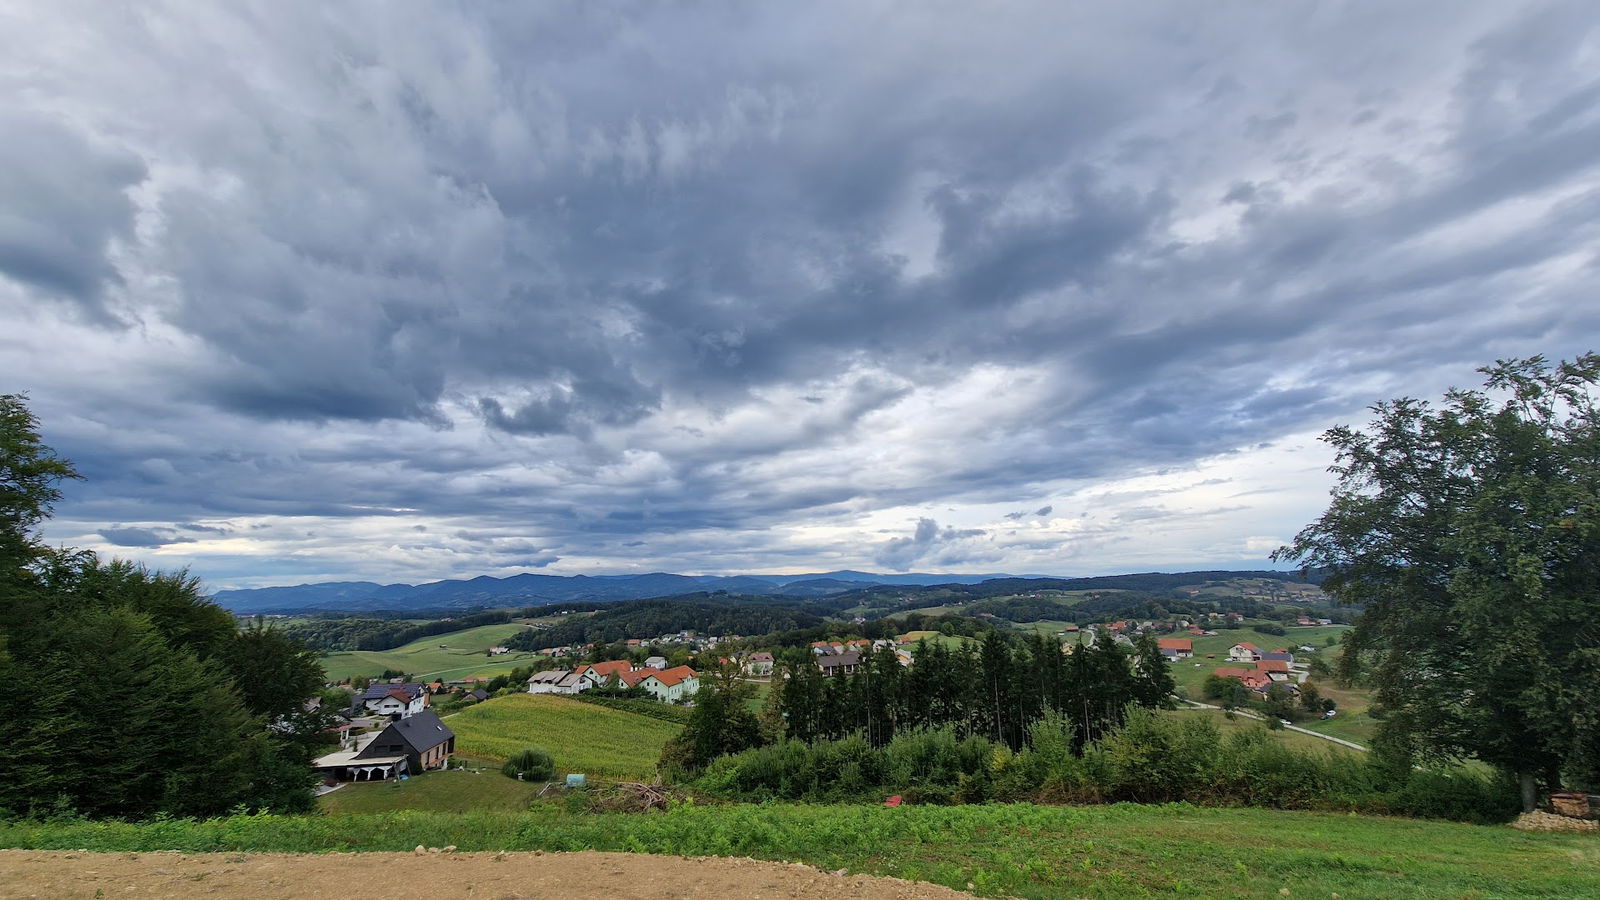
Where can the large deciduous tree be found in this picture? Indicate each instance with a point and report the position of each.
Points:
(1470, 534)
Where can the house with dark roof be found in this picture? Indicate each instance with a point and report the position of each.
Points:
(405, 699)
(839, 664)
(759, 663)
(406, 746)
(1282, 656)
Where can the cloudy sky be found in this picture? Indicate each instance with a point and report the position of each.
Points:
(402, 291)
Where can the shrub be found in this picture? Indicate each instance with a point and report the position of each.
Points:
(531, 764)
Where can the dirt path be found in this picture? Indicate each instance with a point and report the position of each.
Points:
(440, 876)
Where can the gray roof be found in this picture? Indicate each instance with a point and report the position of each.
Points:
(379, 691)
(423, 731)
(839, 659)
(1280, 655)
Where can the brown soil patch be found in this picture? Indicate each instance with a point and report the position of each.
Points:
(480, 876)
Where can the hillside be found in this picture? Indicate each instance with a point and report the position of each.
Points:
(451, 655)
(704, 613)
(595, 740)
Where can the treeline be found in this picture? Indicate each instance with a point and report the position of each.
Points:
(998, 693)
(381, 634)
(1150, 758)
(711, 614)
(129, 694)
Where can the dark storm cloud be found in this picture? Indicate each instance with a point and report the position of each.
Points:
(65, 201)
(129, 536)
(599, 279)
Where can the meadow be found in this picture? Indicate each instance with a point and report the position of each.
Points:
(583, 737)
(477, 785)
(462, 654)
(1021, 850)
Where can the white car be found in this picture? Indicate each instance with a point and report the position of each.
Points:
(1285, 722)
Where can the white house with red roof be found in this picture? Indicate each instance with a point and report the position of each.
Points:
(1180, 648)
(671, 685)
(1244, 652)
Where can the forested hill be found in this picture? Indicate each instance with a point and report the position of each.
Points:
(486, 592)
(713, 614)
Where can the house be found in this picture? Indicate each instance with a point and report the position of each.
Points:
(759, 663)
(1274, 669)
(1305, 620)
(405, 699)
(479, 695)
(1253, 680)
(499, 651)
(408, 745)
(558, 681)
(601, 671)
(672, 685)
(1244, 652)
(1282, 656)
(656, 662)
(839, 664)
(1182, 648)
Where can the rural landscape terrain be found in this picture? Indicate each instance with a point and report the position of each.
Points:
(861, 448)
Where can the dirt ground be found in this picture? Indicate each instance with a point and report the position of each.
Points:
(57, 875)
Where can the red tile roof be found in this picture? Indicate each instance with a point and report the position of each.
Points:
(608, 668)
(1272, 665)
(1176, 644)
(674, 675)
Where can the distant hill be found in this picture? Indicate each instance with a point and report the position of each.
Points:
(530, 589)
(487, 592)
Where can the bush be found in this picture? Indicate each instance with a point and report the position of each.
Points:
(531, 764)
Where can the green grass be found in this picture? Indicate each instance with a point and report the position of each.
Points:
(1241, 723)
(423, 657)
(595, 740)
(479, 787)
(1021, 850)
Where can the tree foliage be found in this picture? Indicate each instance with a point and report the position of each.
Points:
(1470, 532)
(142, 696)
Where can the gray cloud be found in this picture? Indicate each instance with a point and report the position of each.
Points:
(131, 536)
(662, 288)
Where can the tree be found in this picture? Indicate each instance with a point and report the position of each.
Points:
(1310, 698)
(1470, 534)
(721, 723)
(1153, 681)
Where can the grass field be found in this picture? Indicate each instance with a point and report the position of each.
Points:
(1020, 850)
(597, 741)
(1240, 723)
(462, 655)
(478, 787)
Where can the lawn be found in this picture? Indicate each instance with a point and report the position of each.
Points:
(479, 786)
(1125, 850)
(1241, 723)
(461, 655)
(595, 740)
(933, 637)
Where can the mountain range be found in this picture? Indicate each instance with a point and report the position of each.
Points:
(531, 589)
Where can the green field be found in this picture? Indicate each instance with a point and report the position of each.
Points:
(1241, 723)
(479, 786)
(1021, 850)
(461, 656)
(601, 742)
